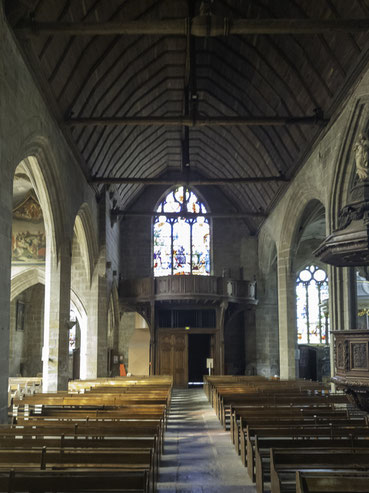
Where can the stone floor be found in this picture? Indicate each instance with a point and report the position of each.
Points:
(199, 456)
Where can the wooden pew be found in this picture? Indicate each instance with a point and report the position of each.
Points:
(301, 420)
(126, 427)
(50, 459)
(74, 481)
(62, 442)
(112, 427)
(96, 401)
(332, 481)
(242, 416)
(297, 421)
(271, 388)
(82, 385)
(291, 399)
(285, 462)
(262, 452)
(304, 434)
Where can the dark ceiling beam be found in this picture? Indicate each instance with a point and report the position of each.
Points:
(273, 121)
(105, 180)
(201, 26)
(189, 215)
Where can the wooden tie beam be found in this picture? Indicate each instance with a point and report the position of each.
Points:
(106, 180)
(252, 121)
(189, 215)
(200, 26)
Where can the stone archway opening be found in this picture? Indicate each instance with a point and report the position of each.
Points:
(311, 288)
(134, 343)
(80, 292)
(78, 325)
(31, 248)
(26, 332)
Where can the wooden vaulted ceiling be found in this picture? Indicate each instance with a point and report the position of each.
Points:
(114, 77)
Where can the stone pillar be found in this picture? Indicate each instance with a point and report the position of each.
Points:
(97, 327)
(5, 269)
(57, 312)
(287, 319)
(102, 326)
(220, 313)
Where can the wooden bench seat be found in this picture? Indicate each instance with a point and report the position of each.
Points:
(117, 427)
(262, 452)
(90, 414)
(303, 424)
(37, 442)
(304, 433)
(297, 421)
(289, 400)
(153, 380)
(127, 429)
(315, 481)
(87, 431)
(74, 481)
(241, 416)
(55, 459)
(97, 401)
(285, 462)
(48, 458)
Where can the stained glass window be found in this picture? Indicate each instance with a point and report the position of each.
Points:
(181, 242)
(312, 306)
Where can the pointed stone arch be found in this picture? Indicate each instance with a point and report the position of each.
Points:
(296, 206)
(40, 165)
(25, 279)
(87, 238)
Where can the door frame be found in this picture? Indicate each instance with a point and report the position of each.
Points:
(213, 332)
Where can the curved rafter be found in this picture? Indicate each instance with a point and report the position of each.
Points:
(114, 91)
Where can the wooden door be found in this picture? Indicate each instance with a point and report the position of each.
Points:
(173, 357)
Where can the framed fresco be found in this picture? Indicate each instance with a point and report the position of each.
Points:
(28, 234)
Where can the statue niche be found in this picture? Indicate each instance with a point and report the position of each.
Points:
(361, 150)
(348, 244)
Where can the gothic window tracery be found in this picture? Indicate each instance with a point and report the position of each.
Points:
(181, 242)
(312, 306)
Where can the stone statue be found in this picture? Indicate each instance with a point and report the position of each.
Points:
(361, 150)
(205, 7)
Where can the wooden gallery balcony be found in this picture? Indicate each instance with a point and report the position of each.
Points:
(351, 358)
(203, 289)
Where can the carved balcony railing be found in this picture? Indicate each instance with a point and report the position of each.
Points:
(351, 356)
(188, 288)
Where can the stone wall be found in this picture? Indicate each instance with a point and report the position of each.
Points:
(234, 346)
(232, 246)
(324, 177)
(25, 349)
(27, 128)
(126, 330)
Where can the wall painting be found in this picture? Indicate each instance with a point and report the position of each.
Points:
(28, 235)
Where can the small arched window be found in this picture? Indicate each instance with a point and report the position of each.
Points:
(181, 235)
(312, 306)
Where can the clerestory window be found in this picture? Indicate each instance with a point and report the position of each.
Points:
(181, 235)
(312, 306)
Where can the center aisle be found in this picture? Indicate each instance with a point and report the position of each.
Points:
(199, 456)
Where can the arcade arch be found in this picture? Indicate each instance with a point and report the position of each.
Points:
(36, 253)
